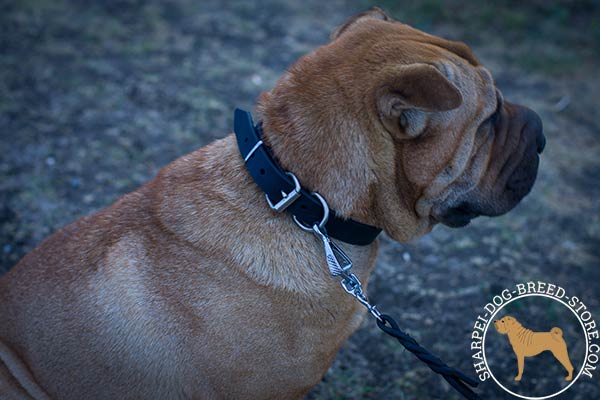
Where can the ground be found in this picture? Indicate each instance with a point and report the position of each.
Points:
(96, 97)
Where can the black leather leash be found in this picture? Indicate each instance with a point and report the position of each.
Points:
(311, 212)
(455, 378)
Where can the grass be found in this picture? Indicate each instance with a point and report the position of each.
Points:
(113, 90)
(544, 36)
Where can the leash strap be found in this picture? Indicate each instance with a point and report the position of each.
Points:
(283, 191)
(352, 286)
(340, 265)
(455, 378)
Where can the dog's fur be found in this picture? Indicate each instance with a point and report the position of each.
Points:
(191, 287)
(526, 343)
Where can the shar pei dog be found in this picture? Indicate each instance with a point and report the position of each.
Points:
(526, 343)
(193, 287)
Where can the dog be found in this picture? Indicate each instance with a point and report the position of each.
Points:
(526, 343)
(191, 287)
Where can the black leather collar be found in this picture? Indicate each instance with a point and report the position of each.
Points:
(283, 190)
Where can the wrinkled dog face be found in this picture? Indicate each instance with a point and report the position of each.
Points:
(459, 146)
(505, 324)
(422, 133)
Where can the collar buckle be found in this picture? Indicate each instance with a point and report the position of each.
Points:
(286, 198)
(283, 188)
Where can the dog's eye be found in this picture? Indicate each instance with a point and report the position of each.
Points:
(403, 120)
(492, 118)
(490, 122)
(488, 126)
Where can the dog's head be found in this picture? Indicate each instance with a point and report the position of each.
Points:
(506, 324)
(401, 129)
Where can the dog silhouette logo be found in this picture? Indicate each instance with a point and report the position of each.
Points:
(561, 344)
(527, 343)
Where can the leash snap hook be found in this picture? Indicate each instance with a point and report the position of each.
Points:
(352, 286)
(337, 260)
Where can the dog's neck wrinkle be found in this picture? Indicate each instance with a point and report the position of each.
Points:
(521, 334)
(263, 238)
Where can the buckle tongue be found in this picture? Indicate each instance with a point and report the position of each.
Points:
(286, 198)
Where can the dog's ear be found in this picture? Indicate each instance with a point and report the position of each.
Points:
(408, 90)
(372, 13)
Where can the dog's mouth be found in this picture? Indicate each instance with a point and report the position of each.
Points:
(458, 216)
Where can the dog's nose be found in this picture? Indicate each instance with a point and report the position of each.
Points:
(533, 126)
(541, 142)
(540, 138)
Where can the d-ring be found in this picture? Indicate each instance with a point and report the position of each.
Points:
(323, 220)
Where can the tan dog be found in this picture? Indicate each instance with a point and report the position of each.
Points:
(526, 343)
(191, 287)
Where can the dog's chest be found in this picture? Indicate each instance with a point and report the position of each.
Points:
(279, 346)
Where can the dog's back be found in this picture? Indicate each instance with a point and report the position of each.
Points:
(530, 343)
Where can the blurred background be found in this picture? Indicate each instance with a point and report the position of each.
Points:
(95, 97)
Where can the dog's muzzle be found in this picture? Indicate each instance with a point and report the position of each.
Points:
(519, 140)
